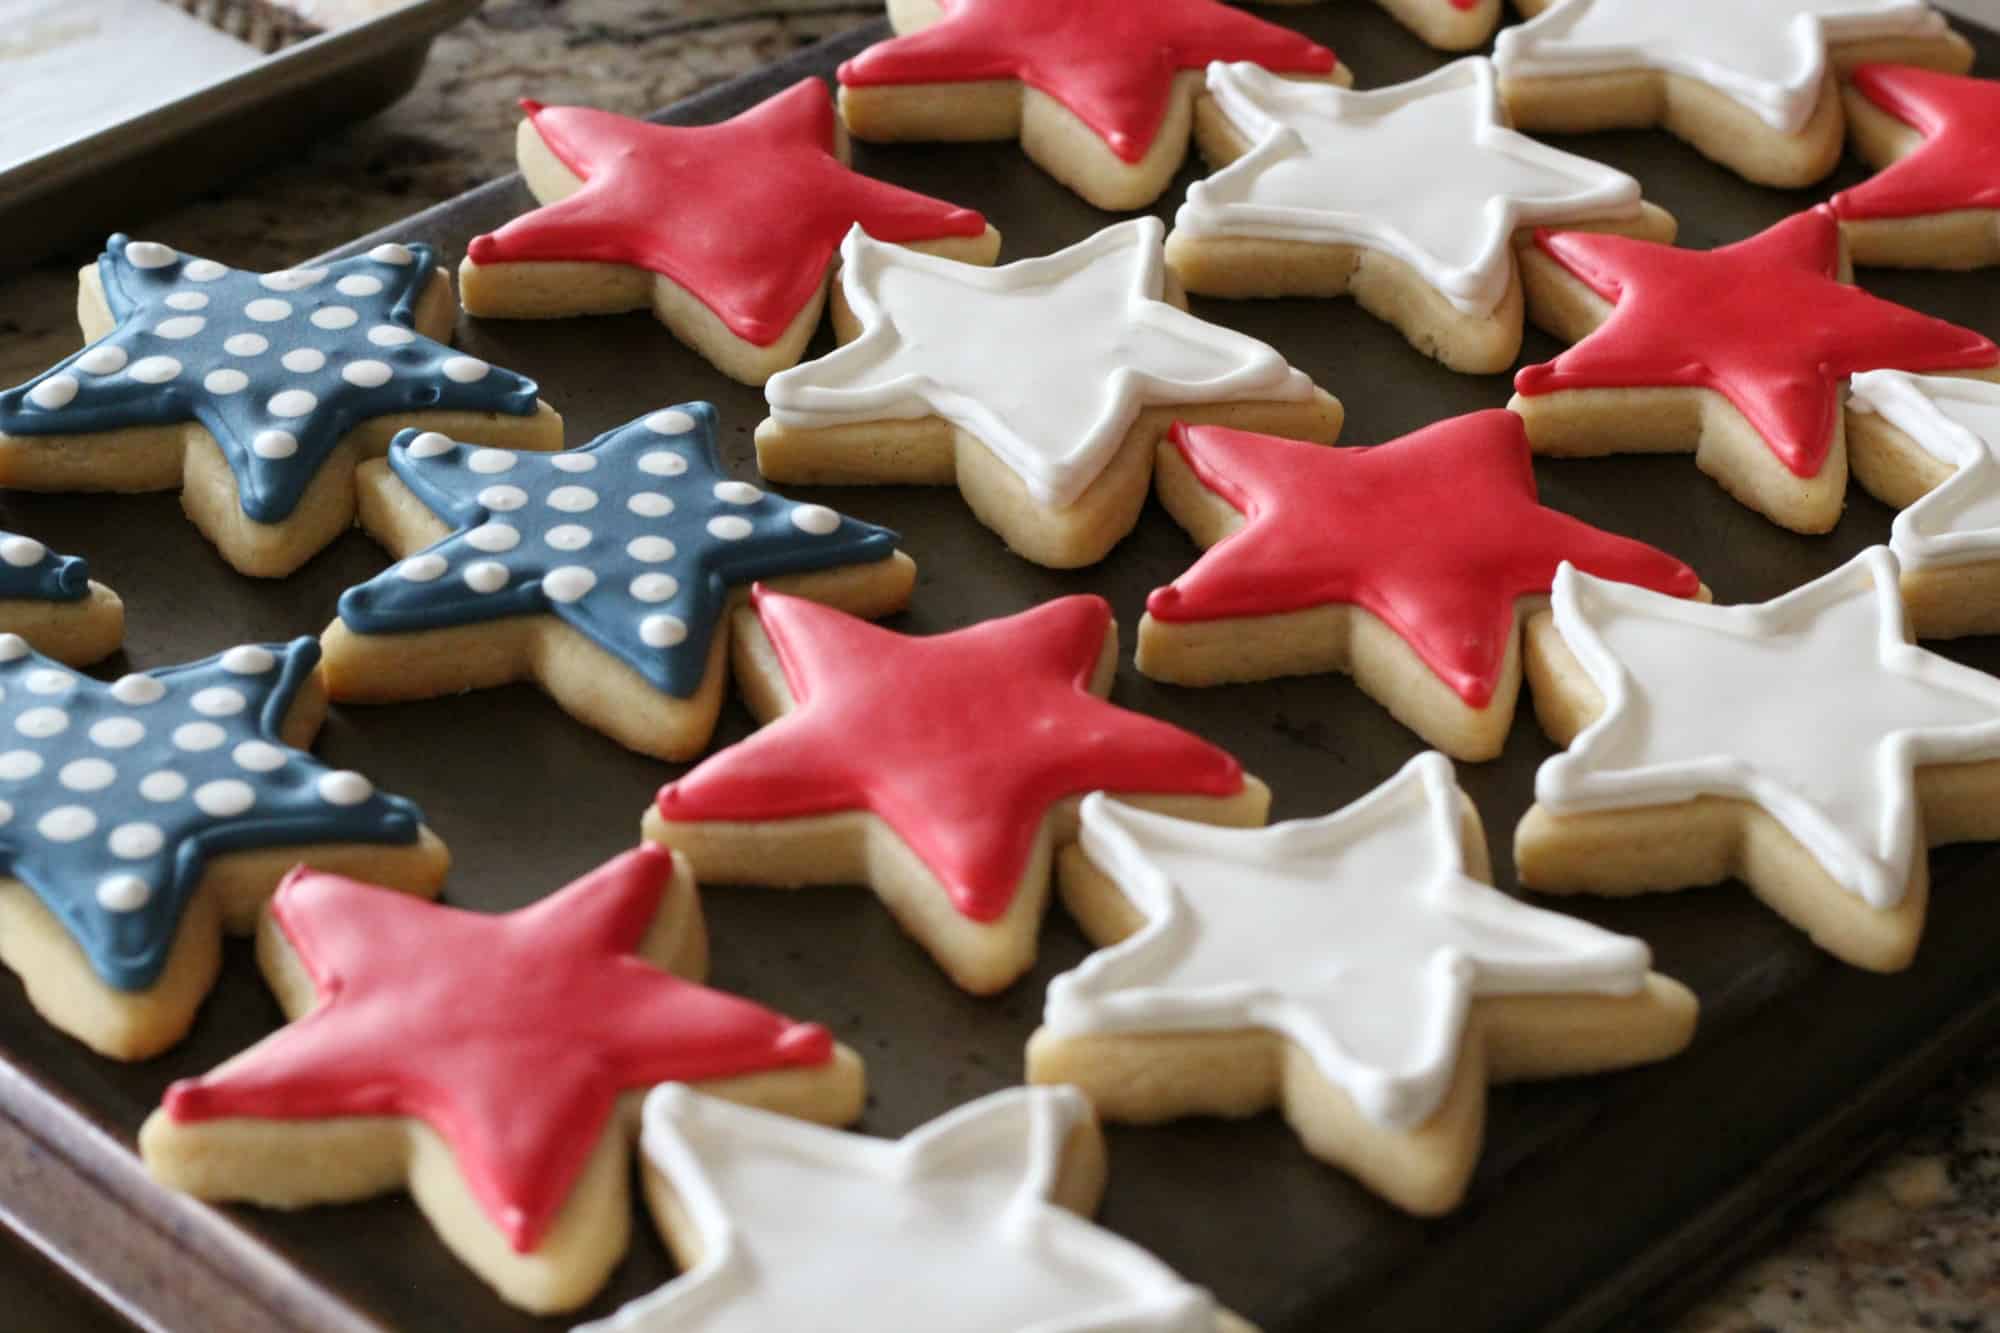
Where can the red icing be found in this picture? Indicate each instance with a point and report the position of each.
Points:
(1335, 526)
(1765, 322)
(960, 742)
(1958, 164)
(511, 1036)
(1111, 62)
(747, 215)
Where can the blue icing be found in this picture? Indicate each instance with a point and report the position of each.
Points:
(278, 366)
(32, 571)
(113, 797)
(635, 540)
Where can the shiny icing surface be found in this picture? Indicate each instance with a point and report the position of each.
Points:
(1331, 527)
(1425, 171)
(277, 367)
(1748, 342)
(635, 540)
(960, 742)
(1814, 707)
(511, 1036)
(1957, 422)
(1071, 347)
(31, 571)
(1958, 164)
(1768, 56)
(949, 1229)
(1112, 63)
(751, 245)
(1361, 937)
(113, 798)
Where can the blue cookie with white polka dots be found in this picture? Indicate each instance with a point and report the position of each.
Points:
(140, 815)
(636, 544)
(50, 601)
(256, 392)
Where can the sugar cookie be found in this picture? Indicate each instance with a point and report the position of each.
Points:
(491, 1065)
(737, 265)
(1935, 139)
(51, 601)
(1448, 25)
(942, 771)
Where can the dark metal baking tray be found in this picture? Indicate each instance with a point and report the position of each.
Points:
(1599, 1201)
(155, 159)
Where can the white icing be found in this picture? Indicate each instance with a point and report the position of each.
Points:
(292, 279)
(54, 392)
(47, 680)
(246, 344)
(673, 421)
(22, 551)
(180, 327)
(366, 374)
(274, 444)
(502, 499)
(430, 444)
(729, 528)
(12, 646)
(421, 568)
(490, 460)
(203, 270)
(737, 493)
(573, 499)
(117, 733)
(87, 775)
(493, 538)
(218, 701)
(334, 317)
(1957, 422)
(1813, 706)
(1070, 348)
(391, 253)
(663, 631)
(358, 284)
(225, 381)
(1426, 171)
(652, 550)
(1360, 937)
(19, 765)
(149, 254)
(188, 301)
(258, 757)
(137, 689)
(247, 659)
(163, 786)
(650, 504)
(568, 537)
(154, 369)
(1768, 56)
(67, 823)
(123, 893)
(815, 519)
(573, 462)
(567, 583)
(655, 587)
(268, 309)
(465, 369)
(225, 797)
(104, 359)
(485, 576)
(391, 335)
(196, 737)
(136, 841)
(292, 403)
(950, 1229)
(662, 463)
(42, 723)
(344, 788)
(303, 360)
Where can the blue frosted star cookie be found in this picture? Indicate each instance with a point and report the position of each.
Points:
(140, 818)
(604, 573)
(50, 601)
(256, 393)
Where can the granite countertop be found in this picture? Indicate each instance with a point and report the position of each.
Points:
(1912, 1243)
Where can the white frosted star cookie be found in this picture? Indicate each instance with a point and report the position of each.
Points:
(1356, 970)
(1749, 85)
(1803, 745)
(1411, 199)
(1040, 387)
(978, 1220)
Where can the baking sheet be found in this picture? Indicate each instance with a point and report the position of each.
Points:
(1596, 1199)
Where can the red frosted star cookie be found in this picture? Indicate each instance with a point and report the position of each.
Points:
(727, 232)
(1449, 25)
(1936, 139)
(1100, 95)
(489, 1062)
(941, 770)
(1739, 355)
(1312, 568)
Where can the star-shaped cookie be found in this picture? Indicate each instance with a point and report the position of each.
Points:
(51, 601)
(1803, 745)
(256, 393)
(603, 573)
(139, 819)
(1356, 969)
(975, 1223)
(726, 232)
(1708, 352)
(1100, 95)
(1312, 566)
(491, 1064)
(1410, 198)
(1935, 138)
(1930, 445)
(1448, 25)
(942, 770)
(1751, 86)
(1040, 387)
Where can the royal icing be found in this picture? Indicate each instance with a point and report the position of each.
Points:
(1784, 374)
(751, 245)
(1957, 422)
(1425, 171)
(960, 742)
(1958, 164)
(1769, 57)
(278, 367)
(114, 797)
(1326, 527)
(954, 1220)
(1361, 937)
(521, 1091)
(1071, 347)
(1813, 706)
(635, 540)
(32, 572)
(1112, 65)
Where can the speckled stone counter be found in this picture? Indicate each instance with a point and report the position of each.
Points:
(1912, 1243)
